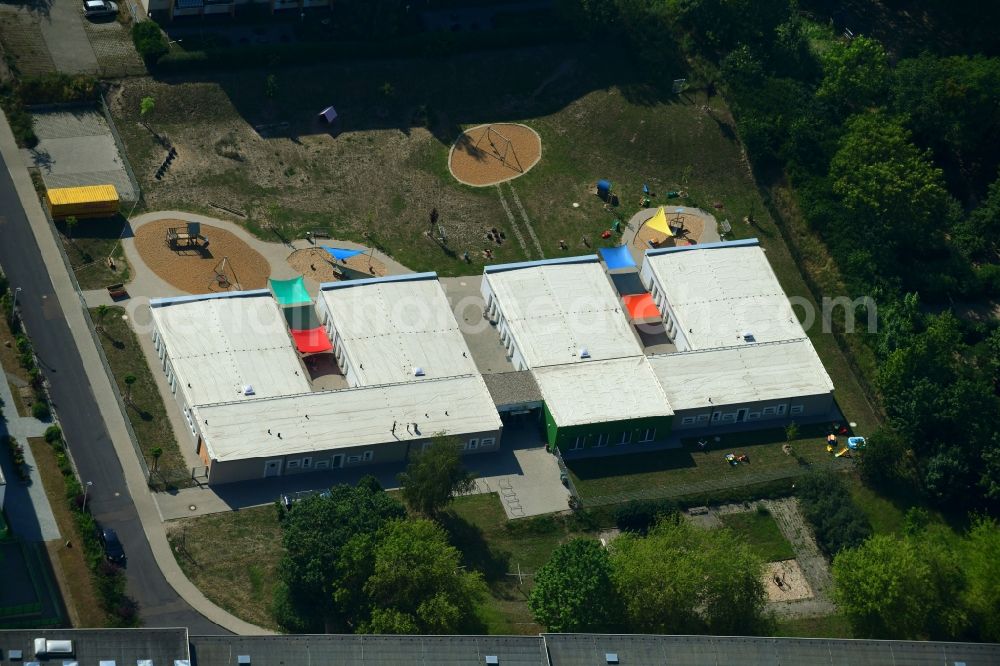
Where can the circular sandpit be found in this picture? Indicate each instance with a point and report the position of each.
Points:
(316, 264)
(692, 222)
(194, 270)
(491, 154)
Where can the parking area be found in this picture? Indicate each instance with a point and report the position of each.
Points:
(77, 148)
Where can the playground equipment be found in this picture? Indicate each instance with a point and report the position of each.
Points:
(735, 459)
(187, 237)
(223, 271)
(501, 148)
(856, 443)
(604, 190)
(843, 453)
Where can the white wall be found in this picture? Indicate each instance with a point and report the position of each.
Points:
(495, 313)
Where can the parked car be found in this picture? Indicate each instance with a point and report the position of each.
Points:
(99, 8)
(113, 548)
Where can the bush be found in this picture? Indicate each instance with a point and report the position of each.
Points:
(53, 434)
(149, 41)
(837, 522)
(641, 515)
(40, 410)
(56, 88)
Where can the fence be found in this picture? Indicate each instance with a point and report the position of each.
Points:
(708, 486)
(121, 149)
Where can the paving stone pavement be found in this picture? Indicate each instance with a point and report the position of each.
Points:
(814, 564)
(116, 54)
(63, 34)
(22, 40)
(27, 507)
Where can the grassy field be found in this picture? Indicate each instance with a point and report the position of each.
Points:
(88, 245)
(829, 626)
(146, 410)
(685, 470)
(762, 533)
(75, 581)
(15, 375)
(233, 558)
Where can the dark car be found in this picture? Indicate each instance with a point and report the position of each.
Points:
(113, 549)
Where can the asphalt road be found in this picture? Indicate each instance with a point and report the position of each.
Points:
(109, 499)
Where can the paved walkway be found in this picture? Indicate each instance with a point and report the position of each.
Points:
(814, 564)
(67, 42)
(68, 309)
(27, 506)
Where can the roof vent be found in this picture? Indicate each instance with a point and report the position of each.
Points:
(243, 660)
(418, 372)
(748, 337)
(584, 352)
(492, 660)
(611, 657)
(248, 390)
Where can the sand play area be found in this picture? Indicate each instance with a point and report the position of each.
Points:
(785, 581)
(198, 270)
(491, 154)
(690, 221)
(316, 264)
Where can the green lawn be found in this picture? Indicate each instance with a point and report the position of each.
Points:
(88, 245)
(146, 410)
(828, 626)
(233, 558)
(687, 471)
(760, 530)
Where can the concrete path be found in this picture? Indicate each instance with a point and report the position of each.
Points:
(27, 506)
(88, 409)
(67, 42)
(814, 564)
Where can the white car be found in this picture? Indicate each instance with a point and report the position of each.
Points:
(99, 8)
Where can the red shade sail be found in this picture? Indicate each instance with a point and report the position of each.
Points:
(312, 340)
(641, 307)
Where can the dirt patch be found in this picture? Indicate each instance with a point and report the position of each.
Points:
(316, 264)
(491, 154)
(690, 234)
(197, 271)
(785, 581)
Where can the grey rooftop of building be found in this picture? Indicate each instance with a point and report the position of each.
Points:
(513, 388)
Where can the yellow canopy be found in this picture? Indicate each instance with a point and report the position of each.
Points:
(659, 223)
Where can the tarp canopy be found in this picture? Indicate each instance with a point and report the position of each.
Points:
(312, 340)
(641, 307)
(659, 223)
(329, 114)
(617, 257)
(341, 253)
(289, 292)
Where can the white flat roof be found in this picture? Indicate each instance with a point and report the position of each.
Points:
(353, 417)
(600, 391)
(388, 327)
(723, 290)
(555, 308)
(748, 373)
(218, 344)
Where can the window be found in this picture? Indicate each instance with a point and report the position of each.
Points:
(322, 464)
(648, 435)
(625, 438)
(689, 420)
(578, 443)
(768, 411)
(488, 442)
(293, 464)
(703, 418)
(307, 463)
(602, 440)
(781, 409)
(472, 444)
(368, 455)
(716, 416)
(753, 416)
(353, 460)
(796, 409)
(729, 418)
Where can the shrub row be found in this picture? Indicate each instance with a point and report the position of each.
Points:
(109, 579)
(836, 520)
(26, 357)
(640, 515)
(419, 45)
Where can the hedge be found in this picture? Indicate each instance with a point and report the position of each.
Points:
(420, 45)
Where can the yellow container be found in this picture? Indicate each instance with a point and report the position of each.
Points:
(88, 201)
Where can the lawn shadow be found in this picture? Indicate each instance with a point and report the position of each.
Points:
(477, 554)
(587, 469)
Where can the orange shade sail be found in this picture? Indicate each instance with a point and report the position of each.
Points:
(641, 307)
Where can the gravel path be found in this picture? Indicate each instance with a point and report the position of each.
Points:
(814, 565)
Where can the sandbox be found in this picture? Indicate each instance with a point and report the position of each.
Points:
(316, 264)
(491, 154)
(785, 581)
(226, 263)
(693, 221)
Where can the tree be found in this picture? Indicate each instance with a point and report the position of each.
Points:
(149, 41)
(434, 476)
(129, 380)
(71, 223)
(791, 432)
(899, 588)
(681, 579)
(146, 106)
(826, 504)
(329, 550)
(155, 453)
(574, 592)
(982, 567)
(856, 76)
(101, 312)
(418, 585)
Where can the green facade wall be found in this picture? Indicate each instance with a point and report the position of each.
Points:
(563, 437)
